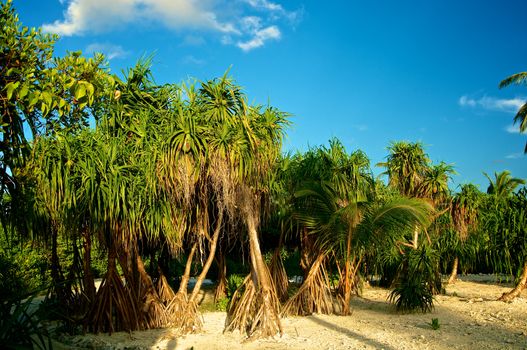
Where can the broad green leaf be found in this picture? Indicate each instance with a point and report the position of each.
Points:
(10, 87)
(22, 92)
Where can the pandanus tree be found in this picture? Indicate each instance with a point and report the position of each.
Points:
(411, 174)
(336, 208)
(521, 116)
(464, 214)
(406, 167)
(503, 219)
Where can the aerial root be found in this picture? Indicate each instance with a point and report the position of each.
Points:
(184, 314)
(254, 312)
(314, 295)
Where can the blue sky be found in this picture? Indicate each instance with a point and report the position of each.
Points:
(367, 72)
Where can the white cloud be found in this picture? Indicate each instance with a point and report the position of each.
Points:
(276, 10)
(492, 103)
(514, 156)
(513, 129)
(259, 38)
(266, 5)
(109, 50)
(247, 24)
(82, 16)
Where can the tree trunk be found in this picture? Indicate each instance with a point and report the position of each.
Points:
(348, 283)
(150, 304)
(58, 289)
(221, 287)
(88, 280)
(453, 275)
(114, 308)
(314, 295)
(507, 297)
(269, 322)
(416, 237)
(306, 246)
(212, 252)
(183, 286)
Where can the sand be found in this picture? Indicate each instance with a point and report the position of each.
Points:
(468, 314)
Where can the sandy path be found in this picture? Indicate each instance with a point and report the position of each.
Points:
(469, 316)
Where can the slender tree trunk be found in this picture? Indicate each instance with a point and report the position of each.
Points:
(208, 263)
(221, 287)
(88, 280)
(416, 237)
(348, 283)
(59, 289)
(269, 324)
(453, 273)
(519, 287)
(183, 286)
(306, 246)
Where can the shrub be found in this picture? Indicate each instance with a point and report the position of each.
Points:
(417, 281)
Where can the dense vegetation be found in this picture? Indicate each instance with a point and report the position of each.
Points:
(189, 180)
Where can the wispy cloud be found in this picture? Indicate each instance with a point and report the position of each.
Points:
(260, 36)
(264, 4)
(189, 59)
(360, 127)
(515, 156)
(109, 50)
(492, 103)
(193, 40)
(513, 129)
(247, 24)
(276, 10)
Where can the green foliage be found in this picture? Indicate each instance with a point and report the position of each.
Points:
(435, 324)
(234, 281)
(521, 116)
(222, 304)
(504, 230)
(20, 327)
(23, 268)
(417, 281)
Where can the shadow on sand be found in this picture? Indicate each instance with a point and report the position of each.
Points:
(350, 333)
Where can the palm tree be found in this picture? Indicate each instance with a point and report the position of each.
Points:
(406, 167)
(503, 184)
(334, 199)
(504, 219)
(464, 213)
(521, 115)
(435, 183)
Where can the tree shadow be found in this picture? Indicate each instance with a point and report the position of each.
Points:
(349, 333)
(361, 303)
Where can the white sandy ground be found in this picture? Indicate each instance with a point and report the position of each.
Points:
(469, 317)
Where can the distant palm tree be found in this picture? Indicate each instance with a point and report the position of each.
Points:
(435, 182)
(503, 184)
(405, 166)
(521, 115)
(464, 213)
